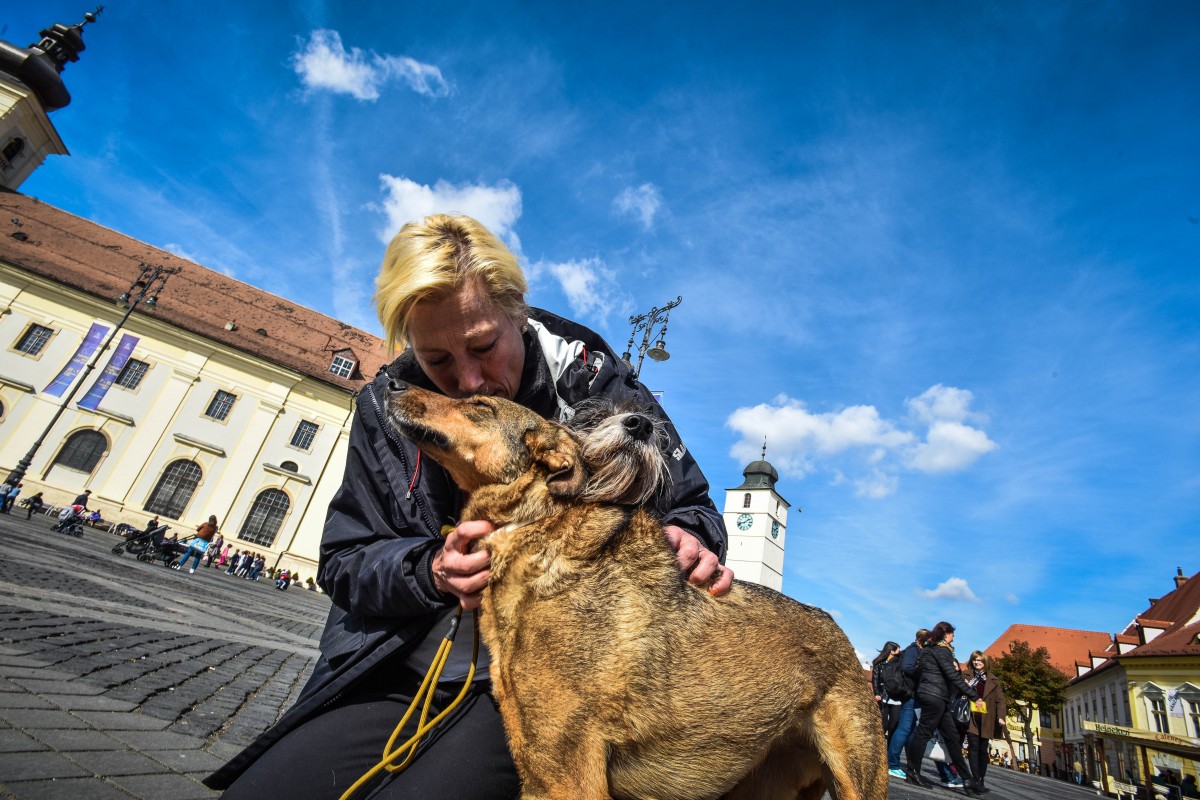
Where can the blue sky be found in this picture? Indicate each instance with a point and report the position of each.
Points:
(944, 256)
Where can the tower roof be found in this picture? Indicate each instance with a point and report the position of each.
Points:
(40, 65)
(759, 475)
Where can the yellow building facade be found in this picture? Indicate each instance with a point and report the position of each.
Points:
(231, 402)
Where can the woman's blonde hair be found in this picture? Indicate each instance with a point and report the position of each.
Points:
(987, 660)
(434, 257)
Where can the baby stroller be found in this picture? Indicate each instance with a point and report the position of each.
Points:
(70, 521)
(145, 546)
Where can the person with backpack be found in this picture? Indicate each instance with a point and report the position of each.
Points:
(910, 672)
(887, 681)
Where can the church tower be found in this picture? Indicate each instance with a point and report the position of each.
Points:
(756, 517)
(31, 86)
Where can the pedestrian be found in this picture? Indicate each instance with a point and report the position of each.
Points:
(214, 549)
(234, 562)
(987, 724)
(205, 532)
(243, 569)
(940, 676)
(889, 707)
(34, 505)
(283, 579)
(6, 503)
(82, 500)
(910, 666)
(256, 568)
(450, 294)
(223, 558)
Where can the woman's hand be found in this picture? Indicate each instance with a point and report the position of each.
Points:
(700, 563)
(461, 570)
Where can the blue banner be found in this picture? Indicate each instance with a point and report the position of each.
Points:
(116, 363)
(66, 375)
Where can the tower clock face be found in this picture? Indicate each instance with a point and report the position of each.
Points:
(774, 529)
(744, 521)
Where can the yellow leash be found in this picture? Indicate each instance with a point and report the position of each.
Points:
(409, 748)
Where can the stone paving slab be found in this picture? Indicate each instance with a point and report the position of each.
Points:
(28, 766)
(68, 789)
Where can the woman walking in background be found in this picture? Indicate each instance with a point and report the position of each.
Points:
(988, 724)
(889, 707)
(940, 676)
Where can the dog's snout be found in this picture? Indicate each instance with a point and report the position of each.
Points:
(638, 426)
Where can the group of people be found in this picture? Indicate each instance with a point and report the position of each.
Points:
(922, 691)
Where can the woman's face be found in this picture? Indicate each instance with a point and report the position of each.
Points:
(979, 665)
(949, 637)
(466, 345)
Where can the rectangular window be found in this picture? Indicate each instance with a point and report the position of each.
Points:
(1158, 710)
(1194, 715)
(34, 340)
(341, 366)
(132, 373)
(304, 435)
(219, 407)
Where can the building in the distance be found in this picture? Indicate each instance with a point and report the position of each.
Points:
(756, 517)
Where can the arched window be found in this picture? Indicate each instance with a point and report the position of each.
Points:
(746, 500)
(82, 450)
(265, 518)
(175, 489)
(289, 466)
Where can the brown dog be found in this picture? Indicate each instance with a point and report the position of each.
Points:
(614, 677)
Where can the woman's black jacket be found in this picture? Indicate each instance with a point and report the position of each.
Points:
(940, 675)
(384, 524)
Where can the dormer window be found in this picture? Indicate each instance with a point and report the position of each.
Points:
(11, 150)
(342, 367)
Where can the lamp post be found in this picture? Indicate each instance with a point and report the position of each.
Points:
(646, 322)
(145, 288)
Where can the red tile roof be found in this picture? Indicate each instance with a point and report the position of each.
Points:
(1178, 614)
(1065, 645)
(91, 258)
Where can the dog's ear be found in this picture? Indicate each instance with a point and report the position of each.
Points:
(559, 456)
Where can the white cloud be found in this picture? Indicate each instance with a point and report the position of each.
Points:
(323, 63)
(1012, 598)
(586, 283)
(950, 446)
(642, 202)
(951, 589)
(859, 446)
(497, 207)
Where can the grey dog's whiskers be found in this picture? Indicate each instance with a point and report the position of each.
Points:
(623, 468)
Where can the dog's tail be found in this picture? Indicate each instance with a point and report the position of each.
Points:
(850, 740)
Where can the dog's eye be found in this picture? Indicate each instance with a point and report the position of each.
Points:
(483, 405)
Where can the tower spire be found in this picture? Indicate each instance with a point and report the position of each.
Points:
(764, 452)
(40, 65)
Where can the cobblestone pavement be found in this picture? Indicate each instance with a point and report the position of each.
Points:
(121, 679)
(124, 679)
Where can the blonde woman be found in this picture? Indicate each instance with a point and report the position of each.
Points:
(451, 296)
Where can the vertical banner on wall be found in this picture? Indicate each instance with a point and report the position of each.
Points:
(116, 363)
(82, 353)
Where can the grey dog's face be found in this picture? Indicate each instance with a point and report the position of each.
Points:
(622, 448)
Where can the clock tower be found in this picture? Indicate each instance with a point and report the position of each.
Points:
(31, 87)
(756, 517)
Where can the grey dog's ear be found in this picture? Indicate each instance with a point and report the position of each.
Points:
(565, 473)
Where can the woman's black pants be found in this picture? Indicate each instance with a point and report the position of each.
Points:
(935, 716)
(465, 758)
(977, 754)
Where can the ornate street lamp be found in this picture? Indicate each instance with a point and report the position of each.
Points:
(646, 322)
(144, 289)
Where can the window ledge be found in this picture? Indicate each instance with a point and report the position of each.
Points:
(22, 387)
(205, 446)
(287, 473)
